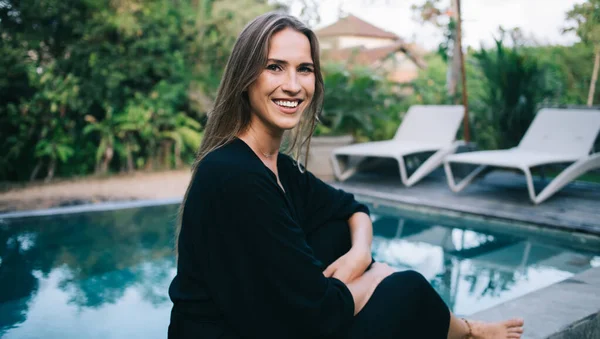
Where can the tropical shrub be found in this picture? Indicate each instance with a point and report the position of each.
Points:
(512, 89)
(103, 86)
(360, 102)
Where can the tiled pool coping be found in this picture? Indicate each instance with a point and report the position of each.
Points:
(568, 309)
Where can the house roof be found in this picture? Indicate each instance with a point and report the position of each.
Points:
(352, 25)
(369, 56)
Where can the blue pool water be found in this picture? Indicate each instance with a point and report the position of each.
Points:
(106, 274)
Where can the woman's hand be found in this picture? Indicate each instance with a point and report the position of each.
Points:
(380, 271)
(349, 266)
(363, 287)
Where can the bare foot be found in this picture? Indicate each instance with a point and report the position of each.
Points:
(509, 329)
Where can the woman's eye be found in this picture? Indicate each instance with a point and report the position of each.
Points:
(305, 70)
(274, 67)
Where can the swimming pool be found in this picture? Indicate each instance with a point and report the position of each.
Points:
(105, 274)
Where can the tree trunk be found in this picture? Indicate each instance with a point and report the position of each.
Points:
(36, 169)
(51, 169)
(452, 77)
(590, 100)
(130, 166)
(166, 154)
(177, 156)
(463, 76)
(108, 155)
(149, 163)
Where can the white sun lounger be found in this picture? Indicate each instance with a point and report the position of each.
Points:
(555, 136)
(423, 129)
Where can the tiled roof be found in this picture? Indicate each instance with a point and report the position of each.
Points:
(352, 25)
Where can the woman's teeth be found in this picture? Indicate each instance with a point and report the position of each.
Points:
(284, 103)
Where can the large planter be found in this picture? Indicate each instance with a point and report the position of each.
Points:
(319, 162)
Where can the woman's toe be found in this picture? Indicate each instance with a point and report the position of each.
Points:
(515, 330)
(517, 322)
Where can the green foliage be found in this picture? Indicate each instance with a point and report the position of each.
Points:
(358, 102)
(102, 85)
(585, 20)
(430, 86)
(569, 71)
(432, 12)
(513, 87)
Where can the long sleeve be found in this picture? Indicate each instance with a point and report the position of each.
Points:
(260, 270)
(323, 203)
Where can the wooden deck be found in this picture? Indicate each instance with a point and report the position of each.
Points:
(500, 195)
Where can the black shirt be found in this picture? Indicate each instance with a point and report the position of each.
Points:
(243, 256)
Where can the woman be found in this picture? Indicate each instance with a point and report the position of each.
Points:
(266, 250)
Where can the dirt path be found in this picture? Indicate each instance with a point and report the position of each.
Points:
(169, 184)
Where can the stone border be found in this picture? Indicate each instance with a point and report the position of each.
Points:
(569, 309)
(464, 209)
(92, 207)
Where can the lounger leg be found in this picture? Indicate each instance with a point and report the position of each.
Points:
(525, 258)
(348, 172)
(464, 182)
(400, 228)
(567, 175)
(402, 168)
(530, 187)
(432, 163)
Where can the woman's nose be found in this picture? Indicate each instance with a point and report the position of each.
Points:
(291, 84)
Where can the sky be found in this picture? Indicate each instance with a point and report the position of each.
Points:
(541, 20)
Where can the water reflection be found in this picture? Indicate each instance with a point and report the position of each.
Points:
(105, 275)
(56, 271)
(473, 271)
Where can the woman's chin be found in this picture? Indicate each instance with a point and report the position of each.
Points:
(287, 124)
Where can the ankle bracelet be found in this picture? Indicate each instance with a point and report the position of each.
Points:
(470, 334)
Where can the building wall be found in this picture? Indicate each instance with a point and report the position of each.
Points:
(401, 68)
(355, 41)
(327, 43)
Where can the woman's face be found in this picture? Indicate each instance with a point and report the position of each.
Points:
(286, 85)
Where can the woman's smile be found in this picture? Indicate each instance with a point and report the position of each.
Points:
(288, 106)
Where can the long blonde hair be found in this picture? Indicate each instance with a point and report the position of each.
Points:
(230, 115)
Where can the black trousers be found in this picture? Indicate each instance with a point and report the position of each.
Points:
(404, 305)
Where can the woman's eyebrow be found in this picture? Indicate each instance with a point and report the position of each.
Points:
(283, 62)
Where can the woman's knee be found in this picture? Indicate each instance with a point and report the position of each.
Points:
(413, 277)
(407, 280)
(414, 285)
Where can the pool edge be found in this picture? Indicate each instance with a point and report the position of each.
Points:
(421, 204)
(91, 207)
(565, 310)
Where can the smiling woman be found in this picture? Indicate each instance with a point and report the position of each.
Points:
(282, 91)
(267, 250)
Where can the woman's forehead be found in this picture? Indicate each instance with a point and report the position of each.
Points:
(291, 46)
